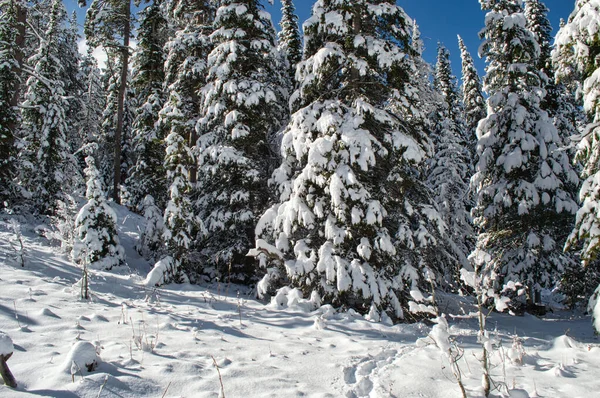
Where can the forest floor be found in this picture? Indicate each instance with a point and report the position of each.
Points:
(185, 340)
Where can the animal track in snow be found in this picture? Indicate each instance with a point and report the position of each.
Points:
(361, 376)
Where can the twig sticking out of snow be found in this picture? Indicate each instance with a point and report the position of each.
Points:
(222, 395)
(166, 389)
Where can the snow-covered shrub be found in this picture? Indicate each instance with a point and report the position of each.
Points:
(97, 244)
(150, 244)
(165, 271)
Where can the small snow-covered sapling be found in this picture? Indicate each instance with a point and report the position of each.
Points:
(17, 243)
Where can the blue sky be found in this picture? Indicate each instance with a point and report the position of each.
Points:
(441, 21)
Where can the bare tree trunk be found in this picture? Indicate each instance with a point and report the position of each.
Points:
(5, 372)
(121, 102)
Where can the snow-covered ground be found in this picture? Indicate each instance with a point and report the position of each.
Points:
(176, 341)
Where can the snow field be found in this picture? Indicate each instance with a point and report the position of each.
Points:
(152, 342)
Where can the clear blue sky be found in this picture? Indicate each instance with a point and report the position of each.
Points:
(441, 21)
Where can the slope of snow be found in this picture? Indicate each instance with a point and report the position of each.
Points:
(167, 342)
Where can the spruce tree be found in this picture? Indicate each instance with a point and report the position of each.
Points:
(450, 167)
(45, 154)
(575, 58)
(12, 36)
(107, 139)
(97, 243)
(94, 101)
(472, 96)
(243, 103)
(185, 70)
(108, 24)
(180, 226)
(150, 245)
(351, 226)
(523, 181)
(147, 174)
(290, 41)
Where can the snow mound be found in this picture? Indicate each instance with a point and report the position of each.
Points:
(6, 344)
(82, 358)
(565, 342)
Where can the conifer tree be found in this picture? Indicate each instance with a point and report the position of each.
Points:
(450, 167)
(94, 101)
(472, 96)
(108, 24)
(97, 243)
(523, 181)
(73, 81)
(290, 41)
(185, 70)
(12, 36)
(147, 174)
(45, 155)
(558, 102)
(575, 58)
(243, 103)
(351, 226)
(150, 245)
(107, 139)
(180, 226)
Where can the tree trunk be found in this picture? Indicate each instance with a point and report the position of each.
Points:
(5, 372)
(121, 102)
(20, 42)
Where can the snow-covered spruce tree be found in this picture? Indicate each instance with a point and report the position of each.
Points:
(150, 246)
(523, 181)
(12, 28)
(290, 41)
(93, 100)
(575, 58)
(107, 138)
(352, 224)
(449, 169)
(185, 69)
(45, 154)
(108, 24)
(243, 103)
(472, 96)
(558, 102)
(147, 174)
(96, 241)
(73, 82)
(180, 226)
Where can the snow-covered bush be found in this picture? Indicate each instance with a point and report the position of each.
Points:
(97, 244)
(165, 271)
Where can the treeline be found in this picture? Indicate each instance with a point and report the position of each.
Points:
(338, 162)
